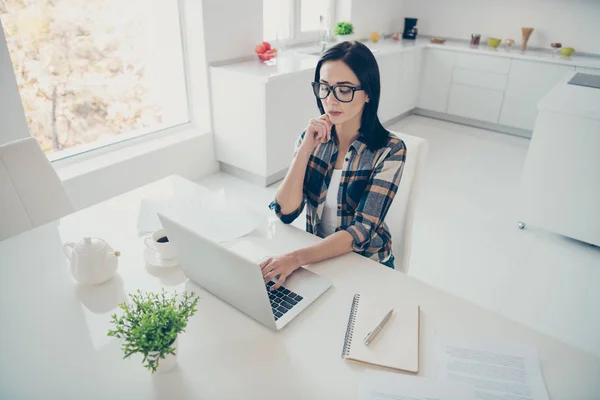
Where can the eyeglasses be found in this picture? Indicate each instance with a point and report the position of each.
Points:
(345, 94)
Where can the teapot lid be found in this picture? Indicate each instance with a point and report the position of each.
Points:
(89, 245)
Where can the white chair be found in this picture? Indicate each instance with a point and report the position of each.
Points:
(31, 192)
(400, 216)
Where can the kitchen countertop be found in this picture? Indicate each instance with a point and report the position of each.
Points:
(286, 63)
(296, 59)
(574, 100)
(534, 54)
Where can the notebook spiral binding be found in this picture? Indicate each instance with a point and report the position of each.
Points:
(350, 328)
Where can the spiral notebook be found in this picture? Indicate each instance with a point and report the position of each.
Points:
(396, 346)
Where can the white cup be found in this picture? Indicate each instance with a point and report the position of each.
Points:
(165, 250)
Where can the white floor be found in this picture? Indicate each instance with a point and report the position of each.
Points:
(466, 239)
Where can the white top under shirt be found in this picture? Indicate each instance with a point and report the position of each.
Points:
(329, 219)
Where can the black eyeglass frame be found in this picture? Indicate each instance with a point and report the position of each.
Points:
(331, 89)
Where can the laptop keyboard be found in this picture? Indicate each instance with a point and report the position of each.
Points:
(282, 300)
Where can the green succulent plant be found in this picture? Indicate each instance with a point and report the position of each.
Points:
(150, 324)
(343, 28)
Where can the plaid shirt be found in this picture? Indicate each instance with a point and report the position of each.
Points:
(368, 185)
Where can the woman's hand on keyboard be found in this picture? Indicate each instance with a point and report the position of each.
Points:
(279, 267)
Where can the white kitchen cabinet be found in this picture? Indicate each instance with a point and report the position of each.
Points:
(475, 102)
(560, 182)
(257, 119)
(477, 88)
(390, 67)
(528, 83)
(290, 105)
(481, 62)
(587, 70)
(410, 72)
(489, 80)
(436, 76)
(399, 75)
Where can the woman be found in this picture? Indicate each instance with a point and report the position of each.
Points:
(346, 167)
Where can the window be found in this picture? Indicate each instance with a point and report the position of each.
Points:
(277, 19)
(94, 72)
(310, 13)
(295, 20)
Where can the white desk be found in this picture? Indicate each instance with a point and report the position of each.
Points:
(53, 341)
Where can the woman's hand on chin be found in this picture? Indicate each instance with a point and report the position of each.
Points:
(317, 131)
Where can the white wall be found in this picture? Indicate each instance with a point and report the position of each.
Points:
(574, 23)
(377, 16)
(13, 125)
(232, 28)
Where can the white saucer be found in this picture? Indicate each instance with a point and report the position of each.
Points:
(151, 257)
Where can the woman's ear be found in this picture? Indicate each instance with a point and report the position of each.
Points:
(367, 100)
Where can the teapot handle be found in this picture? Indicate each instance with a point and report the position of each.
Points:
(68, 249)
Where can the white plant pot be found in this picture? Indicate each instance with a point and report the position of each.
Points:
(169, 362)
(344, 38)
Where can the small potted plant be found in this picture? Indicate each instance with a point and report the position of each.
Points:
(344, 31)
(150, 325)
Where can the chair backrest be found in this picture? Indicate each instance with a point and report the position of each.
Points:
(31, 192)
(401, 213)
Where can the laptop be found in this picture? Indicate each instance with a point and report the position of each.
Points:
(233, 275)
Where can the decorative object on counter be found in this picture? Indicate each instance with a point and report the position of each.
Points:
(475, 37)
(396, 36)
(526, 35)
(323, 33)
(556, 46)
(375, 36)
(150, 325)
(265, 52)
(344, 31)
(436, 40)
(509, 44)
(410, 28)
(567, 51)
(493, 42)
(92, 260)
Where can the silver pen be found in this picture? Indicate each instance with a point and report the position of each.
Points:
(371, 335)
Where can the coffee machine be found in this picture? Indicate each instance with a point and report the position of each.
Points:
(410, 29)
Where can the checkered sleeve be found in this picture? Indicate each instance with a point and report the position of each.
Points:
(289, 218)
(378, 196)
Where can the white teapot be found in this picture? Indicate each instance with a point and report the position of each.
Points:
(93, 261)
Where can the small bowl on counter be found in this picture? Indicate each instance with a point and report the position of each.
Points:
(567, 51)
(436, 40)
(494, 42)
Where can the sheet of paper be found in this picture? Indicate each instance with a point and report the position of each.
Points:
(496, 371)
(214, 216)
(383, 385)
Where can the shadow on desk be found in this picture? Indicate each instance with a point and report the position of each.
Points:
(168, 276)
(102, 298)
